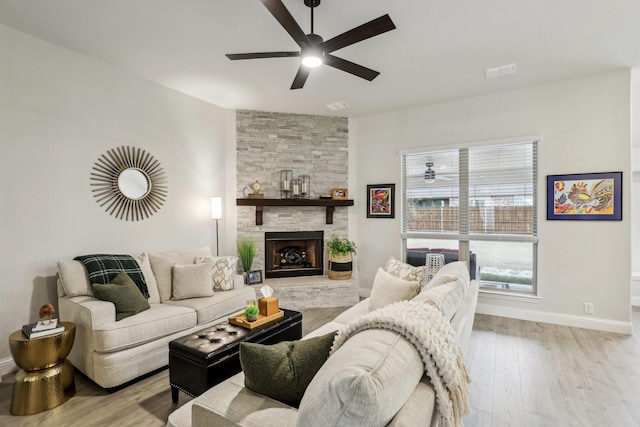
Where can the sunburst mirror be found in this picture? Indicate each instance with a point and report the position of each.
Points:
(129, 183)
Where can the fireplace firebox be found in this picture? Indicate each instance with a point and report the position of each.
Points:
(294, 253)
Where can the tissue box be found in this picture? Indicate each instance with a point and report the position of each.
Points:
(268, 306)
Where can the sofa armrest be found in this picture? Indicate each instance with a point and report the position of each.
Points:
(88, 311)
(229, 404)
(238, 281)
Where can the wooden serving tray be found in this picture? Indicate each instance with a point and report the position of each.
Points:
(240, 319)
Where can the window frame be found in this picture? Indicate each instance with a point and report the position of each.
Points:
(464, 237)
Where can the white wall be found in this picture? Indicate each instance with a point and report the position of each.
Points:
(59, 111)
(585, 125)
(635, 211)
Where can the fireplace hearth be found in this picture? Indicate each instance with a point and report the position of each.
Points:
(294, 253)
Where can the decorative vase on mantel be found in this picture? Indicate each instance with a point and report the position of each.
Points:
(341, 252)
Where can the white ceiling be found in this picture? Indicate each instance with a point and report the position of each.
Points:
(437, 53)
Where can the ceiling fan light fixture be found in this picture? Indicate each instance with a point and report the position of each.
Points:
(312, 57)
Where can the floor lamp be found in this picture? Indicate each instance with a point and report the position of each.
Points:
(216, 213)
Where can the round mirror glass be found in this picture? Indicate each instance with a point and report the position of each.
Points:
(133, 183)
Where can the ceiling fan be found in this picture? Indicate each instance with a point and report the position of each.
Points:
(430, 175)
(314, 51)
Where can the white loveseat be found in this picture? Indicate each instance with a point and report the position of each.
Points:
(368, 356)
(112, 352)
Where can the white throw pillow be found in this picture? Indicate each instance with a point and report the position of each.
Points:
(388, 289)
(406, 271)
(191, 281)
(223, 270)
(457, 269)
(447, 297)
(161, 263)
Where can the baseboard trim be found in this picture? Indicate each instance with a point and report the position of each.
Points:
(7, 366)
(557, 318)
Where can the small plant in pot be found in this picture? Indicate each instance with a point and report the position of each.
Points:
(251, 313)
(246, 252)
(340, 257)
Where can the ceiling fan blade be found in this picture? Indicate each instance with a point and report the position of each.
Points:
(350, 67)
(282, 15)
(363, 32)
(301, 77)
(260, 55)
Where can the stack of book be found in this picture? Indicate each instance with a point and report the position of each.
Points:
(42, 328)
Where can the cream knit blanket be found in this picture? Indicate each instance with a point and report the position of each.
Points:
(423, 325)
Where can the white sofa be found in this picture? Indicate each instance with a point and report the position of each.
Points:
(112, 352)
(231, 404)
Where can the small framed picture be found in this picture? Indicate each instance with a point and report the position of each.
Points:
(254, 277)
(339, 194)
(380, 201)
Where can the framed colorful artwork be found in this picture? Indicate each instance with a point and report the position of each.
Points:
(589, 196)
(380, 201)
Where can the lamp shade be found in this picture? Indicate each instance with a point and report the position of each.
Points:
(216, 208)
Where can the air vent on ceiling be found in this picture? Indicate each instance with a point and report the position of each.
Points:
(503, 70)
(340, 105)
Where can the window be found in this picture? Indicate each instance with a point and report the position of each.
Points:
(477, 201)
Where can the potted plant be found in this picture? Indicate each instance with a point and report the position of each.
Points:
(251, 313)
(246, 252)
(340, 257)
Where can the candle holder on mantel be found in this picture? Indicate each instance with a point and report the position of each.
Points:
(285, 183)
(305, 186)
(295, 188)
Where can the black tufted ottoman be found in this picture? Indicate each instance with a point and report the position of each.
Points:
(205, 358)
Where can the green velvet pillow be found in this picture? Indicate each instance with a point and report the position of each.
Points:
(283, 371)
(123, 293)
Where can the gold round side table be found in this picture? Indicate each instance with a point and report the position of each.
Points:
(45, 379)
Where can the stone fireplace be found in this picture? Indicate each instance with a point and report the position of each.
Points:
(316, 146)
(294, 253)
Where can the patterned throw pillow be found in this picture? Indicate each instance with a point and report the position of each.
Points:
(223, 271)
(406, 271)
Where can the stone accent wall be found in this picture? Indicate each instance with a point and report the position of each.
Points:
(308, 145)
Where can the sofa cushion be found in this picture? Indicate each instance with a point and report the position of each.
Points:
(123, 293)
(103, 268)
(358, 385)
(161, 263)
(223, 271)
(447, 297)
(283, 371)
(388, 288)
(191, 281)
(457, 270)
(406, 271)
(219, 305)
(152, 286)
(159, 321)
(74, 278)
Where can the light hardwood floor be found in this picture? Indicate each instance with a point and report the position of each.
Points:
(524, 374)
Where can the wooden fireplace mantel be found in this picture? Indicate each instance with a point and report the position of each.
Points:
(330, 205)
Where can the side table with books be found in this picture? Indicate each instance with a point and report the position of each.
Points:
(45, 379)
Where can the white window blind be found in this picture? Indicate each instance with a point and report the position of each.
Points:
(477, 193)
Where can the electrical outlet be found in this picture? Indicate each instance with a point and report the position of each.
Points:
(588, 308)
